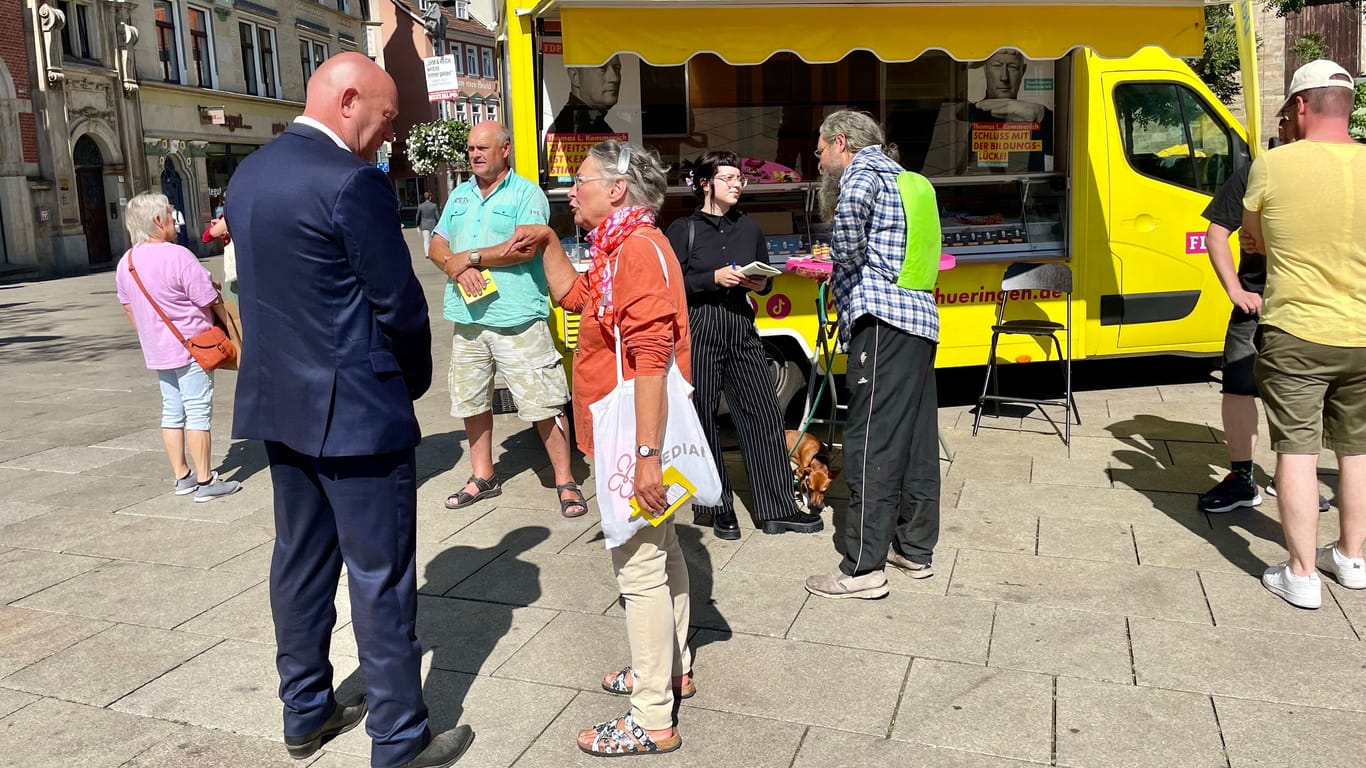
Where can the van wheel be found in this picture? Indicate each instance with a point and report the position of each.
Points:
(789, 375)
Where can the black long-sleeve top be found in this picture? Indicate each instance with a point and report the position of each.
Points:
(718, 241)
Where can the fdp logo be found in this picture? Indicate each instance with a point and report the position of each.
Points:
(1195, 243)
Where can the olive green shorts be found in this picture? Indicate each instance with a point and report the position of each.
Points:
(1314, 394)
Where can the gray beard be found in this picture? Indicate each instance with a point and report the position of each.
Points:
(829, 194)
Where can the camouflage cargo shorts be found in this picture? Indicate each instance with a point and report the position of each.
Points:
(525, 357)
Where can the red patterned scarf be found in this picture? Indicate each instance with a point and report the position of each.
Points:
(606, 239)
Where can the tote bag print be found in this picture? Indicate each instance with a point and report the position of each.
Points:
(689, 471)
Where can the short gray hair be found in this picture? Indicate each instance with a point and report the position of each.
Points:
(860, 131)
(139, 218)
(646, 179)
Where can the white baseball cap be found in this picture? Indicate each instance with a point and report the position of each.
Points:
(1317, 74)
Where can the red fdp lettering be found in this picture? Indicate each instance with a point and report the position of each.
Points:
(1195, 242)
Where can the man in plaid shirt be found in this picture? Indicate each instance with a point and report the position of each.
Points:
(891, 335)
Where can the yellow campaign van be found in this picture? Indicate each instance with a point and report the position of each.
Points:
(1063, 131)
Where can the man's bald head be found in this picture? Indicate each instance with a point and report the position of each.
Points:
(489, 149)
(356, 99)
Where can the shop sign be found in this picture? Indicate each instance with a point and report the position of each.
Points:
(218, 116)
(1011, 121)
(442, 82)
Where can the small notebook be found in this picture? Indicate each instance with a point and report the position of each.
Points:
(759, 269)
(489, 288)
(677, 490)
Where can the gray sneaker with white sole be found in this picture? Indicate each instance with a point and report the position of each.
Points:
(215, 488)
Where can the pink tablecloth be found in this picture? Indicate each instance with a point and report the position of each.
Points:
(946, 261)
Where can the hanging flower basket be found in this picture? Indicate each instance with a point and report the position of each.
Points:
(439, 143)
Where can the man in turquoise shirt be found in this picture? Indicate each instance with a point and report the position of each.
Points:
(499, 306)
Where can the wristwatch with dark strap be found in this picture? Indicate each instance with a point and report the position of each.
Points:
(645, 451)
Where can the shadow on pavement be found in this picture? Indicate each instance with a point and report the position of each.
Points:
(1139, 436)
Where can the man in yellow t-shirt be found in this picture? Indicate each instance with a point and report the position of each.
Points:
(1306, 207)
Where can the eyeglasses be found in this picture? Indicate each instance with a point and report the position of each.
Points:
(735, 180)
(580, 181)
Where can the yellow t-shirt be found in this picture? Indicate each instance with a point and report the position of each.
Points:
(1312, 199)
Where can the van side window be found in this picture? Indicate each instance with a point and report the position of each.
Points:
(1172, 135)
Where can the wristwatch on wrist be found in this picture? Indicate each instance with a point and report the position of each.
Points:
(474, 258)
(645, 451)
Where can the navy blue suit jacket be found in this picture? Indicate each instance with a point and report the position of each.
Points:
(336, 339)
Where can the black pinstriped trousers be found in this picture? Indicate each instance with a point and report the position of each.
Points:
(891, 448)
(728, 357)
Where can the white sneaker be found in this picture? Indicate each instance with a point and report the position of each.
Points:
(1350, 572)
(1299, 591)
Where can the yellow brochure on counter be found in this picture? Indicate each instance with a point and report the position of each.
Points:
(489, 288)
(677, 489)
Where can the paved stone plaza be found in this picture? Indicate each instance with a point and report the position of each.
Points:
(1083, 613)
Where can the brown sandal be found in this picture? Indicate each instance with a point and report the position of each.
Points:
(566, 504)
(487, 490)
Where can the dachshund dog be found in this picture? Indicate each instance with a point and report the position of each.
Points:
(811, 467)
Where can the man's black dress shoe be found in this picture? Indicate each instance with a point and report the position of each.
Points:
(726, 527)
(343, 718)
(445, 748)
(797, 522)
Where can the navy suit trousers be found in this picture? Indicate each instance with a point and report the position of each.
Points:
(362, 511)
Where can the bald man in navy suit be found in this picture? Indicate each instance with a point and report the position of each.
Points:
(336, 347)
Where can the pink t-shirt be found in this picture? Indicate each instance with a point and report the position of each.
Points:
(183, 289)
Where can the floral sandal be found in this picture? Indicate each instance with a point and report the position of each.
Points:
(624, 682)
(487, 490)
(624, 737)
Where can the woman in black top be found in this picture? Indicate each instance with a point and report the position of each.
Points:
(727, 355)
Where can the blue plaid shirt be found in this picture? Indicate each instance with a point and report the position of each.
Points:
(868, 246)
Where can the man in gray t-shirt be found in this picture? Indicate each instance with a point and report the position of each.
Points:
(428, 213)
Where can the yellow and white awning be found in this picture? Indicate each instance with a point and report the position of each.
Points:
(666, 32)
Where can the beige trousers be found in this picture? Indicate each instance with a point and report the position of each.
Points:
(653, 579)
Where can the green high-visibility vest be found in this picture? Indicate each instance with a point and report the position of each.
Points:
(924, 241)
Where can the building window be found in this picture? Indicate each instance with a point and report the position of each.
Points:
(491, 111)
(476, 112)
(343, 6)
(260, 67)
(312, 54)
(462, 10)
(472, 60)
(487, 56)
(78, 37)
(201, 47)
(454, 49)
(168, 50)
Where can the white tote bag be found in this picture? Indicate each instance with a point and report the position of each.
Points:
(688, 467)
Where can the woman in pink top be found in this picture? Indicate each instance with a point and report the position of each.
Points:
(158, 270)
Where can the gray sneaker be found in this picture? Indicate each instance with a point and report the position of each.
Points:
(908, 566)
(187, 484)
(216, 488)
(838, 586)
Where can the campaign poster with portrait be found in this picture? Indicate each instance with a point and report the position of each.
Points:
(1010, 114)
(585, 105)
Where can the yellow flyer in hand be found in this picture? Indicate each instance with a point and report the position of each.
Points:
(489, 288)
(677, 489)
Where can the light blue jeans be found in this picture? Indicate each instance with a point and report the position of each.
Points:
(186, 397)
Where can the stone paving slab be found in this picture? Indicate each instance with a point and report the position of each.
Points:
(205, 748)
(26, 572)
(440, 566)
(826, 748)
(239, 507)
(52, 732)
(1247, 664)
(506, 715)
(925, 626)
(1238, 601)
(993, 711)
(556, 582)
(12, 701)
(1092, 586)
(139, 593)
(247, 617)
(1264, 734)
(709, 738)
(253, 562)
(795, 681)
(68, 459)
(999, 531)
(1108, 541)
(754, 604)
(525, 530)
(231, 687)
(28, 636)
(1062, 642)
(102, 668)
(574, 650)
(60, 528)
(1122, 726)
(190, 543)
